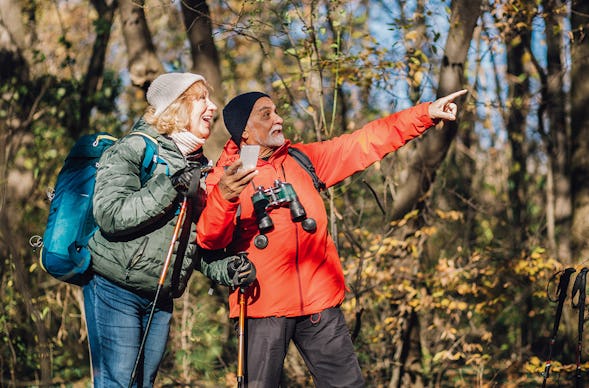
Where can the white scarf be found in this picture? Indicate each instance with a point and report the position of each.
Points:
(187, 142)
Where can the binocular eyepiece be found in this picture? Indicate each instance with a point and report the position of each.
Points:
(261, 203)
(281, 194)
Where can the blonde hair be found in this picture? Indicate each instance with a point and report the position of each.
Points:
(176, 117)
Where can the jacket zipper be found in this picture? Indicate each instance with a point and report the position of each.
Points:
(136, 257)
(301, 304)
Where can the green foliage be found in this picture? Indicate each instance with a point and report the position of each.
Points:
(15, 340)
(460, 309)
(198, 336)
(105, 98)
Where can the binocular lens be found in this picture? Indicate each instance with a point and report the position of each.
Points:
(297, 211)
(265, 223)
(309, 225)
(261, 241)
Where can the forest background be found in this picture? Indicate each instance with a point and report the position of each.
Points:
(449, 245)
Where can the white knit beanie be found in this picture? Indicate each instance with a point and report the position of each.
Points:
(168, 87)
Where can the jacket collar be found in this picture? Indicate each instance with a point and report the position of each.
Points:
(165, 141)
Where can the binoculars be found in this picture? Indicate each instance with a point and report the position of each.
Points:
(281, 194)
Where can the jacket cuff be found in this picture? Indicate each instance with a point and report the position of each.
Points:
(217, 221)
(424, 117)
(216, 197)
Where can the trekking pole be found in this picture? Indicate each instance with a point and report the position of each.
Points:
(160, 284)
(241, 339)
(561, 292)
(579, 287)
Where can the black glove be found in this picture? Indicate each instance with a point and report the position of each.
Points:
(182, 178)
(241, 271)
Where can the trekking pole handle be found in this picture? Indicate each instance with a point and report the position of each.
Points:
(579, 288)
(561, 292)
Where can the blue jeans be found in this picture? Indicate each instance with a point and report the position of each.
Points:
(116, 320)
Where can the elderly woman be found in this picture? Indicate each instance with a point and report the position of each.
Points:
(137, 218)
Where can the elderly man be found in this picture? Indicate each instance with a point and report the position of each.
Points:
(300, 283)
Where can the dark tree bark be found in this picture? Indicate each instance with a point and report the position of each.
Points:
(557, 136)
(518, 82)
(205, 58)
(433, 147)
(580, 127)
(144, 64)
(106, 11)
(205, 61)
(516, 123)
(12, 49)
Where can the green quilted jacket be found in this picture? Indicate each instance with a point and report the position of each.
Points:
(137, 222)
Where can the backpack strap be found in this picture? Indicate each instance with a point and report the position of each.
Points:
(305, 162)
(103, 136)
(151, 157)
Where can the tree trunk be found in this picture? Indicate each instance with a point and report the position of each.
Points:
(401, 357)
(558, 139)
(205, 58)
(559, 201)
(205, 61)
(516, 124)
(13, 43)
(95, 70)
(144, 64)
(518, 81)
(580, 128)
(432, 150)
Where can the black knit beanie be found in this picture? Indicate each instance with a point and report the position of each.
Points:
(237, 112)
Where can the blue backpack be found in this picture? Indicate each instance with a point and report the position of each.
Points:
(70, 225)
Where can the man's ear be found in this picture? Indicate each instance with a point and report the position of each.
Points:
(245, 135)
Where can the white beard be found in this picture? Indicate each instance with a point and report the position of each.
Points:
(272, 141)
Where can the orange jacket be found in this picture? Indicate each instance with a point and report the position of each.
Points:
(298, 273)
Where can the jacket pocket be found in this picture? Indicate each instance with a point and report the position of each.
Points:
(136, 257)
